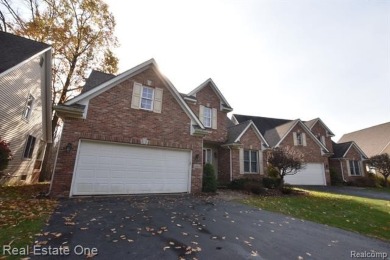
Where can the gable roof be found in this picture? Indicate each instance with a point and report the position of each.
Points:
(372, 140)
(312, 123)
(235, 132)
(15, 50)
(340, 150)
(97, 90)
(275, 130)
(96, 78)
(214, 87)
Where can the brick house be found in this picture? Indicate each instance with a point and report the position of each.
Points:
(348, 161)
(25, 101)
(312, 138)
(135, 133)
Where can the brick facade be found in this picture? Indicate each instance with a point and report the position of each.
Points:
(208, 98)
(312, 151)
(111, 118)
(341, 167)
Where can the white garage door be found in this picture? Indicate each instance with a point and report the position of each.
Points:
(312, 174)
(107, 168)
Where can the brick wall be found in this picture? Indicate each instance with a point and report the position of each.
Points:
(207, 97)
(318, 129)
(312, 151)
(111, 118)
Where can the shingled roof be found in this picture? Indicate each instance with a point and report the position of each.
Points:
(340, 149)
(373, 140)
(15, 49)
(95, 79)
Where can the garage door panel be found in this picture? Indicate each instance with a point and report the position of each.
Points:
(312, 174)
(105, 168)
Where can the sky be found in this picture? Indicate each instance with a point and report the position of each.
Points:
(284, 59)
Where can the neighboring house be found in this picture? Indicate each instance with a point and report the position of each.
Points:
(348, 161)
(25, 102)
(312, 138)
(372, 140)
(135, 133)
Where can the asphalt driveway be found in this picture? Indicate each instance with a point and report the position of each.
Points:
(189, 227)
(353, 191)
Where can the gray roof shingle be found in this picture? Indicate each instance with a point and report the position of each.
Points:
(15, 49)
(372, 140)
(95, 79)
(235, 131)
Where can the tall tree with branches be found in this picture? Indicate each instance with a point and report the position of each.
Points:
(81, 33)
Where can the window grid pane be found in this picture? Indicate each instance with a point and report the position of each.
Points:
(250, 161)
(147, 98)
(207, 117)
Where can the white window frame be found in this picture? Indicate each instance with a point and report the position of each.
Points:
(28, 107)
(207, 155)
(146, 98)
(250, 162)
(354, 166)
(207, 116)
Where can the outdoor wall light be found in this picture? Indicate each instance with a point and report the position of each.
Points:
(197, 157)
(68, 147)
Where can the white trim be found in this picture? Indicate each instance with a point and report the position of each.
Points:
(323, 124)
(74, 169)
(130, 73)
(257, 132)
(215, 88)
(24, 62)
(357, 147)
(307, 130)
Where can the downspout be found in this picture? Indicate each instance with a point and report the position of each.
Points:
(231, 164)
(342, 171)
(55, 165)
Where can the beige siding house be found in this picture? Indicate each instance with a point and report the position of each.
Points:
(25, 105)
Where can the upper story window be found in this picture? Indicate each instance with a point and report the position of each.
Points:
(207, 117)
(28, 107)
(299, 138)
(147, 98)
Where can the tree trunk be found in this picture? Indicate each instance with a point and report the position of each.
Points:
(386, 182)
(46, 170)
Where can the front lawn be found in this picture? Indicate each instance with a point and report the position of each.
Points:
(370, 217)
(22, 214)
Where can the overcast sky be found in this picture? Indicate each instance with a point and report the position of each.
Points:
(284, 59)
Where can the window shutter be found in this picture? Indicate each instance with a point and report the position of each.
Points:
(241, 155)
(214, 119)
(295, 138)
(136, 98)
(348, 168)
(323, 140)
(361, 168)
(201, 113)
(304, 139)
(157, 104)
(261, 168)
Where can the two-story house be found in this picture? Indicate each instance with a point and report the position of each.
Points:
(312, 138)
(135, 133)
(25, 105)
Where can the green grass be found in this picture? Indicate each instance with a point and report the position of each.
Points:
(22, 215)
(370, 217)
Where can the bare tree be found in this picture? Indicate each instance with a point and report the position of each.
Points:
(286, 161)
(381, 163)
